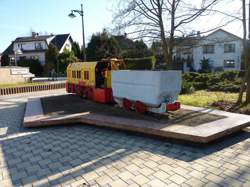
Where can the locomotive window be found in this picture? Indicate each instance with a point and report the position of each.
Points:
(78, 74)
(73, 74)
(86, 75)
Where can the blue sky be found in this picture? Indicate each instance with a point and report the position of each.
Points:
(19, 17)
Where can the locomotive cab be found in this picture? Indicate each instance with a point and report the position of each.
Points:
(100, 73)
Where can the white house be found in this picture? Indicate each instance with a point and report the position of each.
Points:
(223, 50)
(35, 46)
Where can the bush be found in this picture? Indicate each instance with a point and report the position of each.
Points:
(146, 63)
(228, 81)
(187, 88)
(205, 66)
(34, 66)
(5, 60)
(64, 59)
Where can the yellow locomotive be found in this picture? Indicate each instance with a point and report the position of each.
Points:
(92, 80)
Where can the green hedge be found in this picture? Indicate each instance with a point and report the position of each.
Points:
(146, 63)
(34, 66)
(228, 81)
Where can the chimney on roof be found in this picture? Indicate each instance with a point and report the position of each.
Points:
(198, 33)
(34, 34)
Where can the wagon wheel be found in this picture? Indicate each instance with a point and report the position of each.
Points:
(140, 107)
(127, 104)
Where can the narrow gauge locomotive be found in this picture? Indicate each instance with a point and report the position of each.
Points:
(92, 80)
(154, 91)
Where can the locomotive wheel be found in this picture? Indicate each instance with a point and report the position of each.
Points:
(81, 94)
(69, 89)
(140, 107)
(127, 104)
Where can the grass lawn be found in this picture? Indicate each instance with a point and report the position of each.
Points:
(22, 84)
(205, 98)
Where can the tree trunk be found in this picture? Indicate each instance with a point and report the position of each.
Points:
(163, 38)
(246, 77)
(247, 60)
(172, 29)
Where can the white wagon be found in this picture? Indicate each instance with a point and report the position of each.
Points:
(155, 91)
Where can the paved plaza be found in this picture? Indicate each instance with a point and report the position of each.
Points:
(80, 155)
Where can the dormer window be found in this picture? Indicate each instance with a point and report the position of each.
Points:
(20, 46)
(38, 46)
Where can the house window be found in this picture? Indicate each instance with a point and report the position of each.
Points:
(86, 75)
(38, 46)
(229, 48)
(229, 64)
(208, 49)
(20, 46)
(187, 51)
(22, 58)
(34, 57)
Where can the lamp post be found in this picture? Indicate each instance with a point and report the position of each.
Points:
(81, 13)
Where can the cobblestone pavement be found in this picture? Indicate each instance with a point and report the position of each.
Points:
(81, 155)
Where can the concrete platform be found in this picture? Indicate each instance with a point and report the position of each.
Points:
(203, 133)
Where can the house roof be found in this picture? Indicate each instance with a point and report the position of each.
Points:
(60, 39)
(9, 50)
(222, 30)
(187, 41)
(33, 38)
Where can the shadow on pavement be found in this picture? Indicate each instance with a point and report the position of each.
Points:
(56, 155)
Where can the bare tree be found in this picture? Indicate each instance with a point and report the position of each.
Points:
(160, 19)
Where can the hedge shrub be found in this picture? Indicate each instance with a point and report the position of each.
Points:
(33, 64)
(228, 81)
(146, 63)
(187, 88)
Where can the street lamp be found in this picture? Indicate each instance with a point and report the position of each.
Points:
(17, 52)
(81, 13)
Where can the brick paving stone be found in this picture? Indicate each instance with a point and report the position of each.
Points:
(146, 171)
(194, 182)
(214, 178)
(103, 180)
(118, 183)
(80, 155)
(133, 185)
(90, 176)
(173, 185)
(177, 179)
(140, 179)
(156, 182)
(112, 172)
(126, 175)
(161, 175)
(197, 174)
(150, 164)
(165, 167)
(132, 168)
